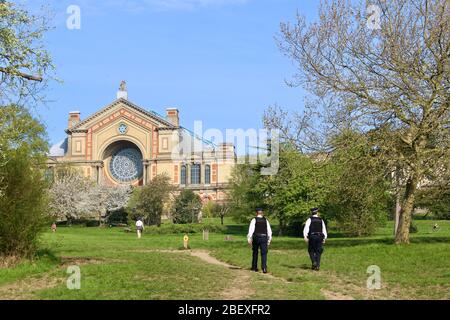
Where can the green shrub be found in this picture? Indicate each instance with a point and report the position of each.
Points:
(116, 217)
(358, 196)
(436, 200)
(23, 198)
(413, 228)
(187, 206)
(147, 202)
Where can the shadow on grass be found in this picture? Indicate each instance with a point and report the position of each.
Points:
(350, 242)
(243, 229)
(302, 266)
(236, 230)
(336, 239)
(47, 254)
(433, 239)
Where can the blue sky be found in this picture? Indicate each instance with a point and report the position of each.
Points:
(215, 60)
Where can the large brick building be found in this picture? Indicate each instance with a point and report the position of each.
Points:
(123, 143)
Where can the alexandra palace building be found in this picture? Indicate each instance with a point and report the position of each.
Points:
(124, 144)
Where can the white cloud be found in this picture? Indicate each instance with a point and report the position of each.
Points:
(103, 7)
(191, 4)
(158, 5)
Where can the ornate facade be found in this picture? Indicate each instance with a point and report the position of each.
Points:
(126, 144)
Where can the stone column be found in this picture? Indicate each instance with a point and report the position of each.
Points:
(99, 167)
(144, 173)
(188, 173)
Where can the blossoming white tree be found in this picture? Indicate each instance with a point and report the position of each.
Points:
(72, 196)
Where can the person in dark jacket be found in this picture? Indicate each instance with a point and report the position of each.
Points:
(259, 237)
(315, 234)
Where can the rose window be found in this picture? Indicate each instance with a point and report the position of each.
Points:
(126, 165)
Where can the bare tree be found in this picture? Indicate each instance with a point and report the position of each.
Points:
(295, 127)
(389, 79)
(222, 209)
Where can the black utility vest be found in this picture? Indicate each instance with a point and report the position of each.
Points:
(316, 225)
(260, 225)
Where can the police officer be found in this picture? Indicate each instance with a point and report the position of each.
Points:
(315, 234)
(259, 237)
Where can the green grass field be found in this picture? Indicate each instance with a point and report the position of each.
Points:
(116, 265)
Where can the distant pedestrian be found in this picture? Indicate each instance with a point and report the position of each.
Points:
(139, 227)
(259, 237)
(53, 227)
(315, 234)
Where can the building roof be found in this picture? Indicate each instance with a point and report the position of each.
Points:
(189, 141)
(150, 114)
(59, 149)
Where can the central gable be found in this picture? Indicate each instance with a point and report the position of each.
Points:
(121, 109)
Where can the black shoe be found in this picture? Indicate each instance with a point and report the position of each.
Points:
(264, 270)
(253, 269)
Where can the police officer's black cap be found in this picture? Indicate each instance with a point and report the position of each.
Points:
(259, 209)
(315, 210)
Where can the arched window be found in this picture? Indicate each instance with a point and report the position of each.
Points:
(183, 174)
(195, 174)
(207, 174)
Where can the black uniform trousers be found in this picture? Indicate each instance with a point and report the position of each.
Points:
(259, 242)
(315, 247)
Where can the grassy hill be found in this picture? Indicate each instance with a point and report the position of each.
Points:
(116, 265)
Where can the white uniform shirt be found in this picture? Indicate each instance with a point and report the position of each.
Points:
(308, 223)
(139, 223)
(251, 230)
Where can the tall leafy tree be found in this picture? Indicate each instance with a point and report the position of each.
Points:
(393, 81)
(358, 195)
(288, 195)
(244, 194)
(186, 207)
(298, 186)
(148, 202)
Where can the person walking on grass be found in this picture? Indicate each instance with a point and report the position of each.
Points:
(139, 227)
(315, 234)
(259, 237)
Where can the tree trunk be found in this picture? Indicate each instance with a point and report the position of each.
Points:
(221, 220)
(402, 235)
(398, 199)
(281, 231)
(398, 209)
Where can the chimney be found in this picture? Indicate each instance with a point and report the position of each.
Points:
(122, 93)
(172, 116)
(74, 118)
